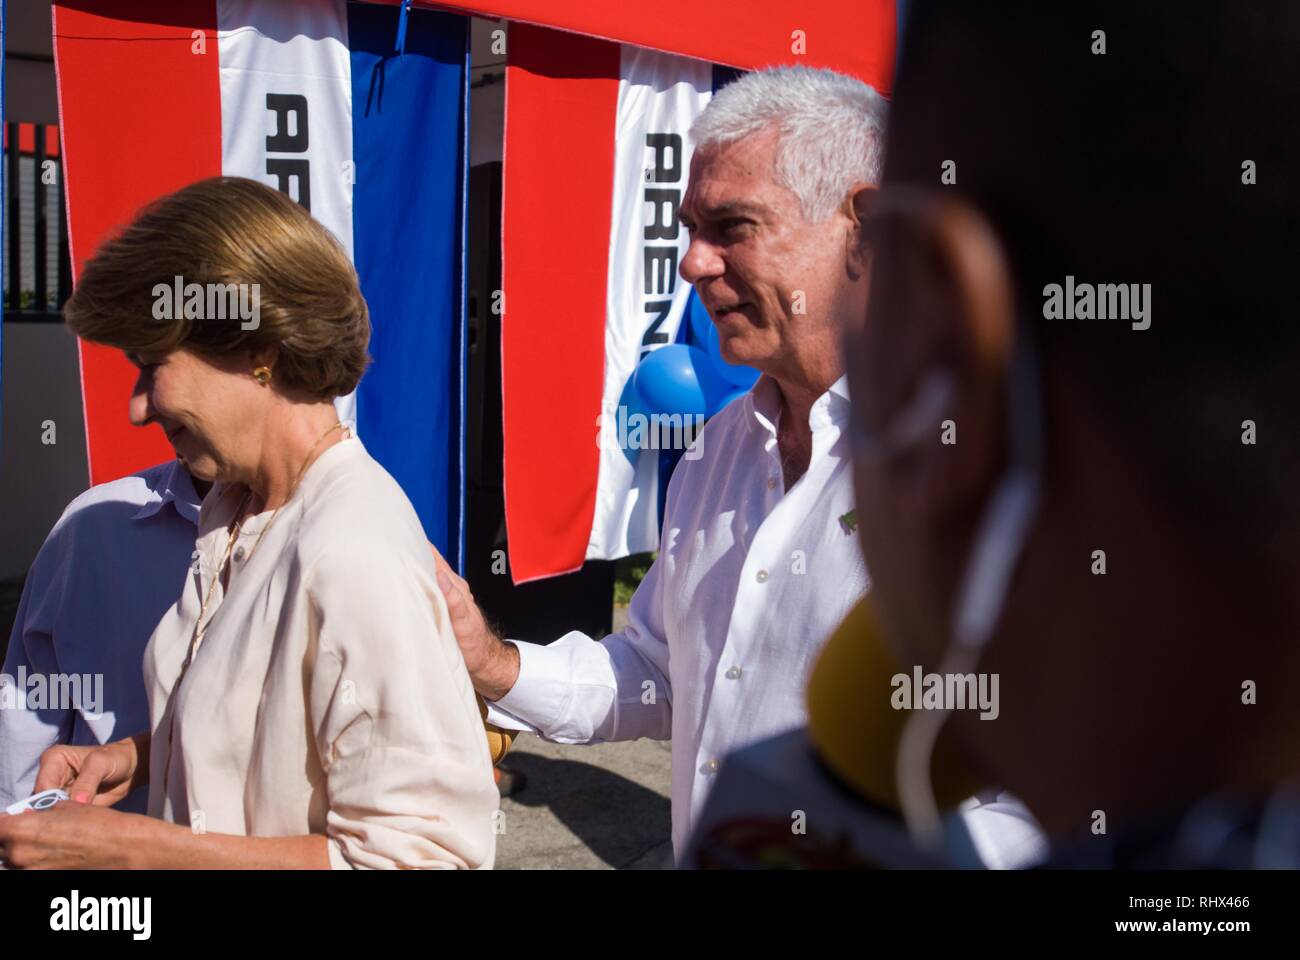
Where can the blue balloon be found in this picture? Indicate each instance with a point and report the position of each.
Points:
(701, 325)
(735, 374)
(716, 389)
(678, 379)
(732, 396)
(630, 404)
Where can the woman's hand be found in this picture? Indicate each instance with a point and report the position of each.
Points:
(82, 836)
(98, 775)
(68, 836)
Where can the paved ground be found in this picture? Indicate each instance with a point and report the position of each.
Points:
(596, 807)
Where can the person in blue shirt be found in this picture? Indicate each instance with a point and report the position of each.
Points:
(109, 569)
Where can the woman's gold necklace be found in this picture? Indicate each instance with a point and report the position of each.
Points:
(201, 627)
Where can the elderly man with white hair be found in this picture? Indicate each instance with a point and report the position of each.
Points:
(759, 560)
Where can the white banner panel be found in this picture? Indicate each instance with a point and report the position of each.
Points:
(659, 97)
(286, 107)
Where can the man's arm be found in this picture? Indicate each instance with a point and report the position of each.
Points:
(576, 690)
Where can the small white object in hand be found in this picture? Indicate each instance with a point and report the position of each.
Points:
(37, 801)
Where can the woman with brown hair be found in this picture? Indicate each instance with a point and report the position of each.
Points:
(309, 704)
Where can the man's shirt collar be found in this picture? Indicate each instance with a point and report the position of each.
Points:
(174, 485)
(830, 409)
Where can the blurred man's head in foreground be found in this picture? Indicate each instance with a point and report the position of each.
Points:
(1080, 363)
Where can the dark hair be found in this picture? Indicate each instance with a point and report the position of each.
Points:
(230, 231)
(1127, 167)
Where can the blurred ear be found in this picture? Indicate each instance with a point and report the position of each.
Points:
(941, 302)
(981, 282)
(857, 206)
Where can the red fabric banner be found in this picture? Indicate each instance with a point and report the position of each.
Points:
(143, 53)
(856, 37)
(561, 101)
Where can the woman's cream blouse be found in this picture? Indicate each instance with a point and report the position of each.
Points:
(327, 694)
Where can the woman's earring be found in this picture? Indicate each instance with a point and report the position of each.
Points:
(262, 375)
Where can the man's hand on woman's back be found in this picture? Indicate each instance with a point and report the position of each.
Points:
(493, 664)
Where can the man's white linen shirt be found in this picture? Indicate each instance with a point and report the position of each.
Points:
(750, 582)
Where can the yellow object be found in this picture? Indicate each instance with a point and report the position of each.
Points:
(499, 740)
(854, 728)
